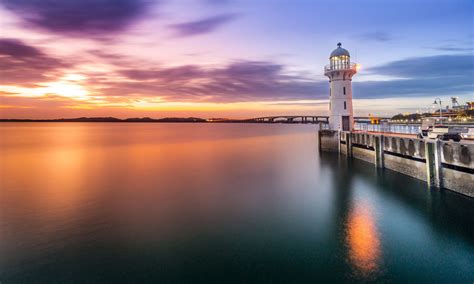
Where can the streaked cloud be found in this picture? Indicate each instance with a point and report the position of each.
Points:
(80, 18)
(380, 36)
(239, 81)
(245, 81)
(217, 2)
(429, 66)
(203, 26)
(21, 63)
(242, 81)
(422, 76)
(454, 48)
(16, 48)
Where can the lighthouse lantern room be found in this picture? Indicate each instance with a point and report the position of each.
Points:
(340, 71)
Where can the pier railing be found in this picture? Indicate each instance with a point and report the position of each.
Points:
(388, 128)
(341, 66)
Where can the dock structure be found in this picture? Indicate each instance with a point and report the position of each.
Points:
(441, 164)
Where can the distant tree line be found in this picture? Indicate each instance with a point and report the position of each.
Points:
(412, 116)
(416, 116)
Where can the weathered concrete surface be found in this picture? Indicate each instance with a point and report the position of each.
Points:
(458, 154)
(406, 146)
(346, 137)
(329, 140)
(405, 166)
(458, 181)
(379, 154)
(343, 149)
(363, 154)
(433, 164)
(362, 139)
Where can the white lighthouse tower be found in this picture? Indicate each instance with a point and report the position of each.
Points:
(340, 71)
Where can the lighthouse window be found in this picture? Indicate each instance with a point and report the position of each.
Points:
(344, 105)
(344, 90)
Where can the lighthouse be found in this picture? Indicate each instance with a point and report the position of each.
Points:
(340, 71)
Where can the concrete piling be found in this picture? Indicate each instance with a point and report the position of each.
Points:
(433, 164)
(430, 164)
(378, 146)
(349, 144)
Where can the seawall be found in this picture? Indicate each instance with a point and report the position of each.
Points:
(448, 165)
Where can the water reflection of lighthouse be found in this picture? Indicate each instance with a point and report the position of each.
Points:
(355, 216)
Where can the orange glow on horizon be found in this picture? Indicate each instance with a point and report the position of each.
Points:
(70, 96)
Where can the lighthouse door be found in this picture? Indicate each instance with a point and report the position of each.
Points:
(345, 123)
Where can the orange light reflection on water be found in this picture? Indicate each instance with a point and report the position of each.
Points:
(363, 241)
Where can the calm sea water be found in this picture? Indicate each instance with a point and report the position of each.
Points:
(93, 202)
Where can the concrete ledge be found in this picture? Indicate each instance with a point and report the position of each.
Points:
(343, 149)
(329, 140)
(457, 154)
(408, 167)
(363, 154)
(458, 181)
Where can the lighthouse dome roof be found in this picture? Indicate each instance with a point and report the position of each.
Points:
(339, 51)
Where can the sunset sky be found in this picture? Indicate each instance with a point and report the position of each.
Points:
(228, 58)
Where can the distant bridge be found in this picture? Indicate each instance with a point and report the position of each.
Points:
(289, 119)
(298, 119)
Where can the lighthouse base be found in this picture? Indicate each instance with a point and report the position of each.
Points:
(341, 122)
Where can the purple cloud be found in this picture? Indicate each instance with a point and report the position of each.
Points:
(438, 66)
(48, 101)
(425, 76)
(24, 64)
(16, 48)
(238, 82)
(84, 17)
(265, 81)
(217, 2)
(380, 36)
(187, 72)
(203, 26)
(241, 81)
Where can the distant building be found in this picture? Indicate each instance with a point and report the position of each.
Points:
(340, 71)
(455, 110)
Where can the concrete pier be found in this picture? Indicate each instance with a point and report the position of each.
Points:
(441, 164)
(378, 144)
(329, 141)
